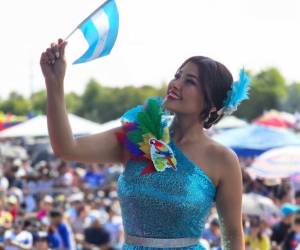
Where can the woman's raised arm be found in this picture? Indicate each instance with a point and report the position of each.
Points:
(103, 147)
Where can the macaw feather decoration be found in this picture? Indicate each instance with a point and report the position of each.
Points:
(146, 136)
(237, 94)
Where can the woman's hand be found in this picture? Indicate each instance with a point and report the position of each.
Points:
(53, 64)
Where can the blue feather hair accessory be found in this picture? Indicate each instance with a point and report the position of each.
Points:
(237, 94)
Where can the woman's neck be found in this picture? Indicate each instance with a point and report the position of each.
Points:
(187, 129)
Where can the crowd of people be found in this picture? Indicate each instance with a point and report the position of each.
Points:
(60, 205)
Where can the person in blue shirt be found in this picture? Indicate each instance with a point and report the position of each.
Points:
(213, 234)
(93, 177)
(60, 235)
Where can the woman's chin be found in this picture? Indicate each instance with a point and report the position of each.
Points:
(172, 106)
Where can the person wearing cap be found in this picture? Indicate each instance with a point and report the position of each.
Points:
(280, 230)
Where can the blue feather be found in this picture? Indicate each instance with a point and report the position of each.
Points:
(239, 91)
(131, 114)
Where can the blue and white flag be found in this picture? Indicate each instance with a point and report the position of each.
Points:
(100, 30)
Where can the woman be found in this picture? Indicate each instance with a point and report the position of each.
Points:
(256, 239)
(166, 209)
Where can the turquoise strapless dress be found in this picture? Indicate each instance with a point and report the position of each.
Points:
(168, 204)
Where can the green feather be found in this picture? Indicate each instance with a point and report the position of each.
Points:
(155, 112)
(135, 136)
(145, 124)
(149, 119)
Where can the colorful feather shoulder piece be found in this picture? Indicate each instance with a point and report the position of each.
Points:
(146, 136)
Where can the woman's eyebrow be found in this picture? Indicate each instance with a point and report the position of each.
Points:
(193, 76)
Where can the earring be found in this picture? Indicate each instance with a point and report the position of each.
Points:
(207, 119)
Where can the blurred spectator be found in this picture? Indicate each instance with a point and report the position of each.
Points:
(292, 239)
(4, 184)
(45, 181)
(11, 169)
(12, 205)
(283, 194)
(41, 241)
(29, 201)
(46, 205)
(93, 177)
(280, 230)
(77, 213)
(114, 226)
(6, 219)
(65, 175)
(213, 234)
(95, 235)
(19, 237)
(256, 239)
(60, 235)
(297, 197)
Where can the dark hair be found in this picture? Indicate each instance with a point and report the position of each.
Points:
(255, 221)
(55, 214)
(297, 193)
(215, 82)
(215, 222)
(281, 191)
(297, 220)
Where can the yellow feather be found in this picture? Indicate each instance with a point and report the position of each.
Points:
(145, 146)
(166, 135)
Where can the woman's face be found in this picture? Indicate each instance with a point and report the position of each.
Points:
(184, 95)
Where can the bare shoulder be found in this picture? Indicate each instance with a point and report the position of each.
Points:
(223, 158)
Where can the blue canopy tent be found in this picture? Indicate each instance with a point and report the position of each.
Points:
(253, 140)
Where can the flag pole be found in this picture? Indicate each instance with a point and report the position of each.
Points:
(73, 31)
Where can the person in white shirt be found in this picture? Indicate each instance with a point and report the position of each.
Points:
(18, 238)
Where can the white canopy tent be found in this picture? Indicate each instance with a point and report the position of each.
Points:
(225, 123)
(37, 126)
(110, 125)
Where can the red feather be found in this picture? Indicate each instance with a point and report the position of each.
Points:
(148, 169)
(120, 136)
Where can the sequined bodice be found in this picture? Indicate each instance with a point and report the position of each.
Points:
(168, 204)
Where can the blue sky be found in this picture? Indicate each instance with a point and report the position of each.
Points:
(154, 38)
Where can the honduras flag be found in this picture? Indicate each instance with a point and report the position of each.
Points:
(100, 30)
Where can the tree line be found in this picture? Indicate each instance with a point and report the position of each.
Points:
(100, 103)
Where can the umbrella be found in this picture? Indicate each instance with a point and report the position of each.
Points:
(276, 119)
(256, 204)
(275, 122)
(254, 139)
(277, 163)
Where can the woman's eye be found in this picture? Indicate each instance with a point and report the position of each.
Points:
(189, 81)
(177, 76)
